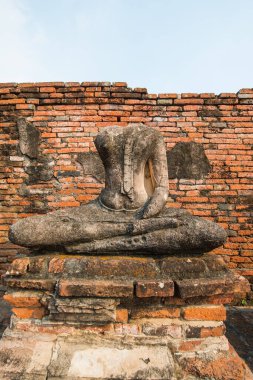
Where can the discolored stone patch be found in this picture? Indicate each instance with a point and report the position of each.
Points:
(5, 313)
(39, 170)
(92, 165)
(188, 160)
(239, 331)
(29, 137)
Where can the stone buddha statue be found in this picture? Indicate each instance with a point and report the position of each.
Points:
(129, 216)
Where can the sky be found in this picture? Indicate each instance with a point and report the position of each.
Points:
(162, 45)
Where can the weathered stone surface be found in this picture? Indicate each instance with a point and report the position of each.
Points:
(95, 288)
(128, 215)
(38, 284)
(28, 138)
(159, 352)
(92, 165)
(78, 305)
(241, 286)
(174, 331)
(176, 232)
(188, 160)
(205, 286)
(162, 288)
(4, 315)
(239, 331)
(104, 266)
(126, 154)
(183, 267)
(38, 265)
(25, 357)
(88, 310)
(193, 275)
(207, 266)
(40, 170)
(215, 266)
(110, 359)
(225, 367)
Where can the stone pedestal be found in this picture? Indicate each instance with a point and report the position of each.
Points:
(109, 317)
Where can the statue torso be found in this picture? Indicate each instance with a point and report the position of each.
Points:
(125, 153)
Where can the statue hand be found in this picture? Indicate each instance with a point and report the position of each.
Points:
(156, 203)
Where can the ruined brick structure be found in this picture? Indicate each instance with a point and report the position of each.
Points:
(48, 158)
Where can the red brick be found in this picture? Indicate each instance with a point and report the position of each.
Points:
(23, 299)
(120, 84)
(47, 89)
(188, 101)
(167, 96)
(212, 331)
(50, 84)
(190, 345)
(24, 313)
(11, 101)
(122, 315)
(205, 313)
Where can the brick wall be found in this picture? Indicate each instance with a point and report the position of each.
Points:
(46, 164)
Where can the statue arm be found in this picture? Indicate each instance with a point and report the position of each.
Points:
(159, 176)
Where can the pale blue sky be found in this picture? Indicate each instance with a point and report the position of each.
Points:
(163, 45)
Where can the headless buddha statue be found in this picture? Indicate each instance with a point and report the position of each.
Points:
(129, 216)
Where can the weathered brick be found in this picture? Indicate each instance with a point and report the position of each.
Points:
(212, 331)
(174, 331)
(205, 286)
(127, 329)
(162, 288)
(19, 266)
(56, 265)
(190, 345)
(200, 331)
(165, 312)
(23, 283)
(95, 288)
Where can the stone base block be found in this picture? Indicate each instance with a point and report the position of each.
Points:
(154, 349)
(87, 317)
